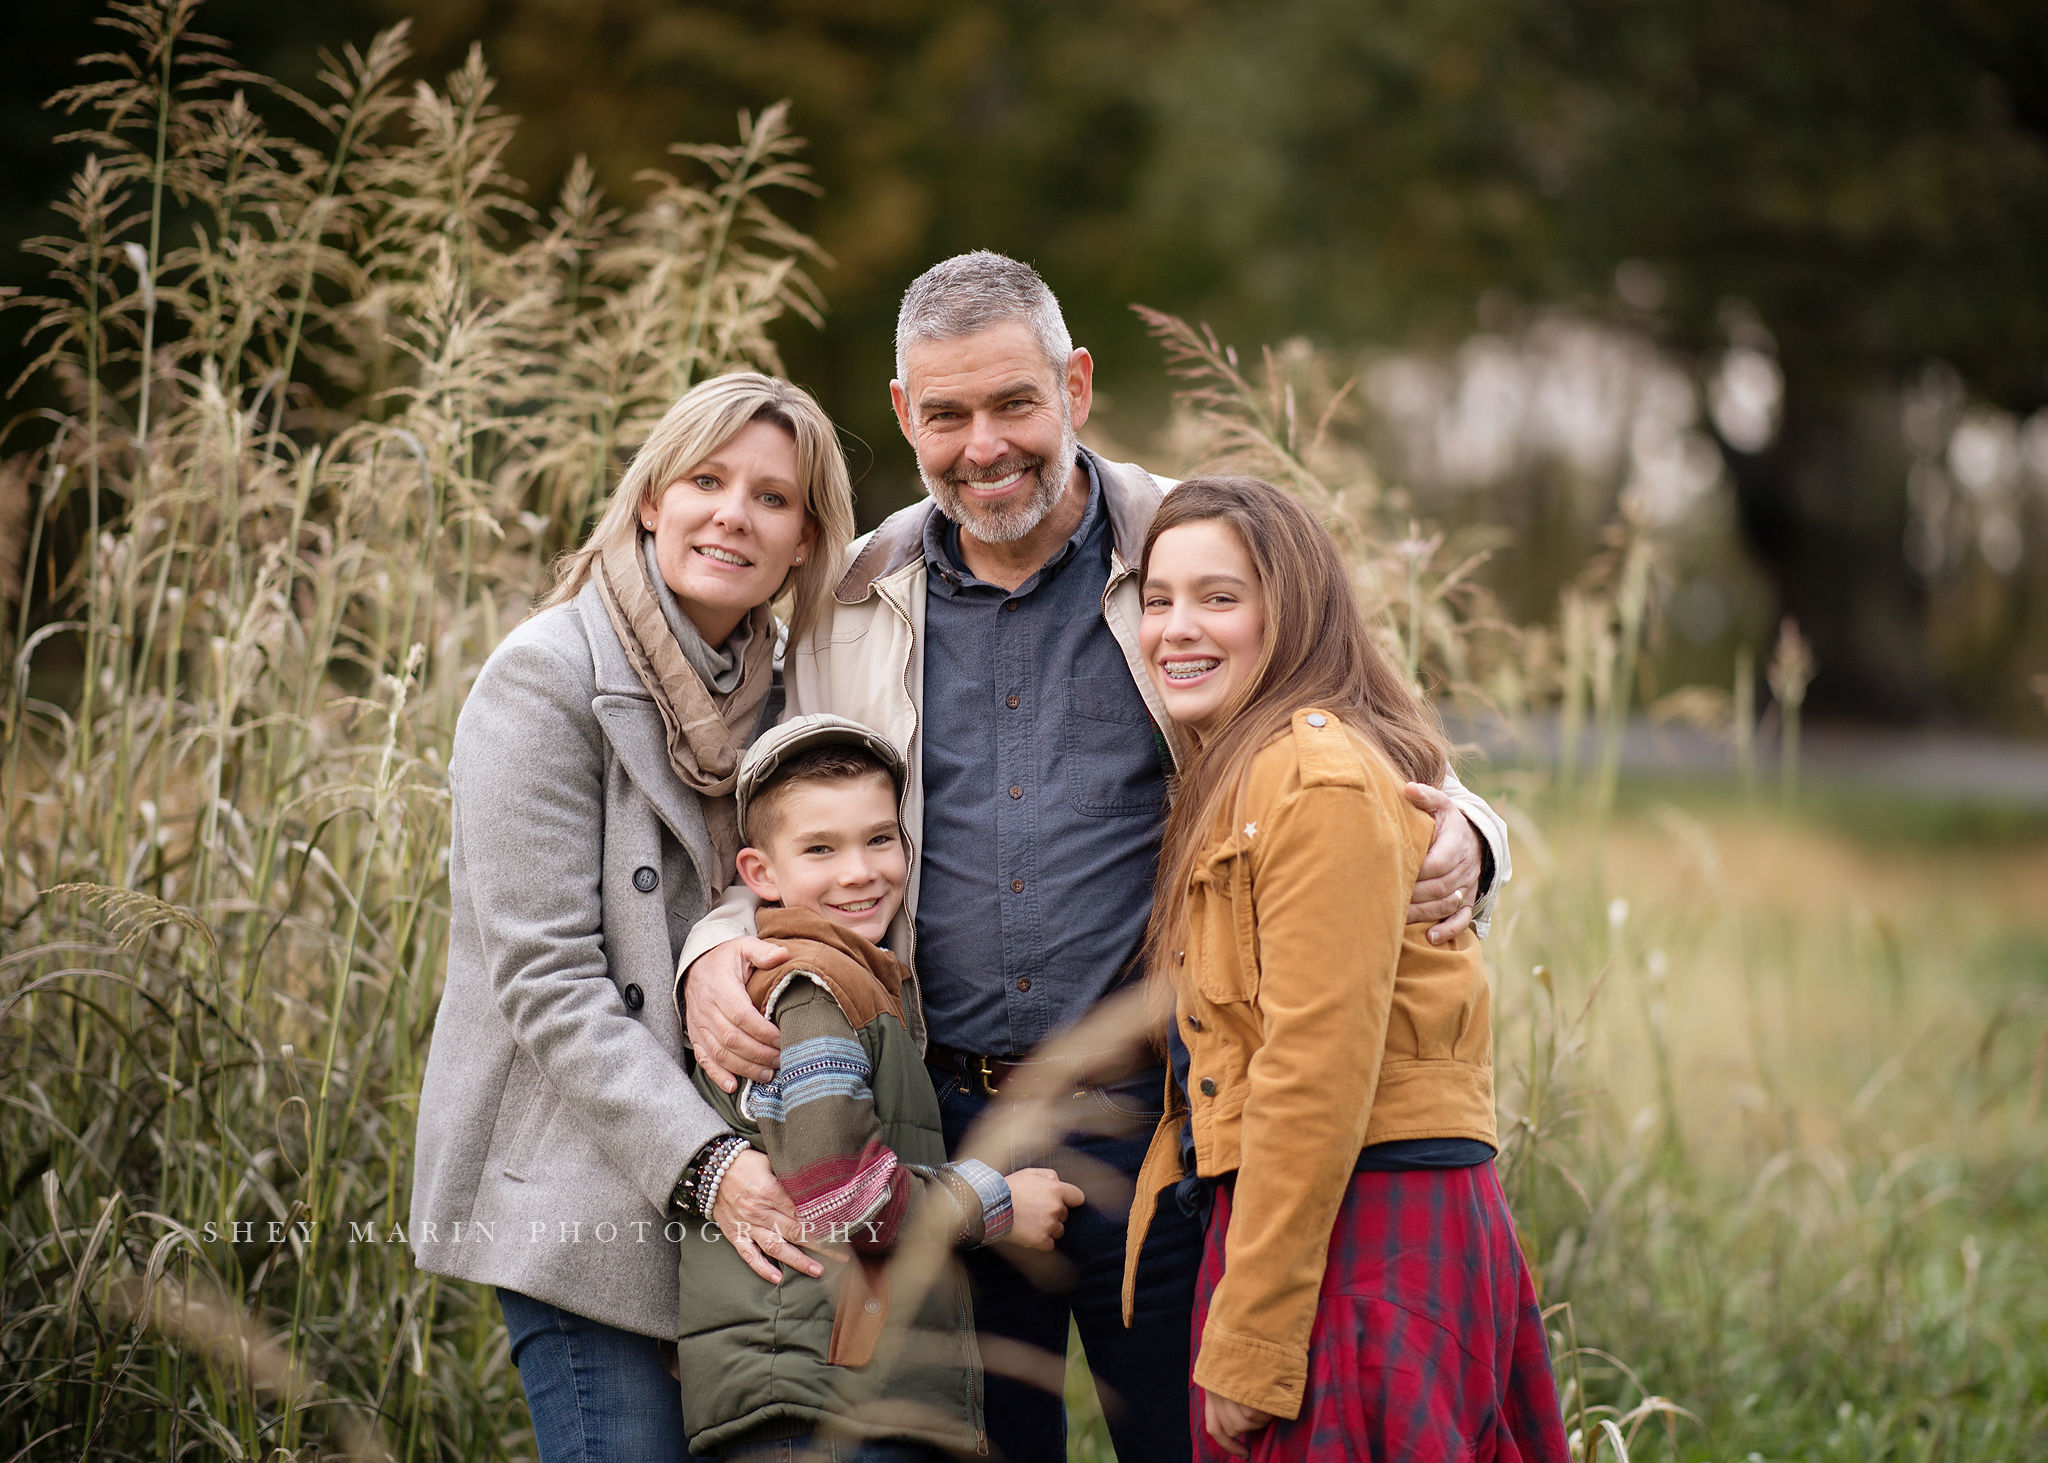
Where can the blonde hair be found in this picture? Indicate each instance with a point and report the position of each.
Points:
(1318, 652)
(706, 417)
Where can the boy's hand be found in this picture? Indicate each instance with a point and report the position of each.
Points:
(728, 1035)
(1039, 1201)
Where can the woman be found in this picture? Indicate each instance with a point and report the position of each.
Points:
(1362, 1293)
(593, 819)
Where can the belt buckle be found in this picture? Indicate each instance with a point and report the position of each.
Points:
(988, 1085)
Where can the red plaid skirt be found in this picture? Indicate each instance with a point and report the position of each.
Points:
(1427, 1343)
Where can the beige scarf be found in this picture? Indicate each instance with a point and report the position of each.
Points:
(706, 732)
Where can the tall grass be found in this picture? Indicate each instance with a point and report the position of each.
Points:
(333, 407)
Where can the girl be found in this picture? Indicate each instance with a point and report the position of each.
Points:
(1362, 1293)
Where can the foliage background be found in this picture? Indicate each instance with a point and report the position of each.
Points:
(1868, 184)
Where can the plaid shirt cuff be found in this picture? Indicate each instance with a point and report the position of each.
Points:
(993, 1190)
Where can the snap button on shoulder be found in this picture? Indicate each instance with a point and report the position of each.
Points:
(1316, 718)
(635, 999)
(1208, 1087)
(644, 879)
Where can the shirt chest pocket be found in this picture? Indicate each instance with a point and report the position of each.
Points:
(1223, 956)
(1112, 750)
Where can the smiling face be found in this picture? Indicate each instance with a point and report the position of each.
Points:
(993, 426)
(835, 849)
(728, 530)
(1204, 625)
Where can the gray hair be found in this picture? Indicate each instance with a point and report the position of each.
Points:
(971, 292)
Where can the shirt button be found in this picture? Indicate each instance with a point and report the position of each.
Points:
(644, 879)
(1180, 957)
(1023, 982)
(874, 1307)
(1016, 886)
(1012, 703)
(1194, 1023)
(1208, 1087)
(634, 999)
(1011, 606)
(1316, 718)
(1016, 792)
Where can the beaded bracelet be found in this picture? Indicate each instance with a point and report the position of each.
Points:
(730, 1150)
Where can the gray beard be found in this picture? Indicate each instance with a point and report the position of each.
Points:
(1008, 522)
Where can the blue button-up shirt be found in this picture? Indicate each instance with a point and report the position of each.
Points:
(1044, 795)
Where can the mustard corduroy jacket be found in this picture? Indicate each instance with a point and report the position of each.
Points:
(1318, 1024)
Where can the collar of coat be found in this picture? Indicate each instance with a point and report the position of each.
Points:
(1128, 492)
(863, 978)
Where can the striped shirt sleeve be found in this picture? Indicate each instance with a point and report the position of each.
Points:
(823, 1137)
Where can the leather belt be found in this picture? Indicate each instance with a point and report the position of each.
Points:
(987, 1074)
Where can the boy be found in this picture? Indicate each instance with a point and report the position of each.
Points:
(851, 1126)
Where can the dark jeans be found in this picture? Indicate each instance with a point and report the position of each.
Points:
(1140, 1373)
(597, 1394)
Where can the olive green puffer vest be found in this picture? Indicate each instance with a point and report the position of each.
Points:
(754, 1357)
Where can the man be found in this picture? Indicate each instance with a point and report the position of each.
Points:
(992, 631)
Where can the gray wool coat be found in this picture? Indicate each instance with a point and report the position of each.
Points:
(555, 1116)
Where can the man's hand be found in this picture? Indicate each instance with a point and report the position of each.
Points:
(754, 1213)
(1447, 886)
(1039, 1201)
(1227, 1422)
(731, 1038)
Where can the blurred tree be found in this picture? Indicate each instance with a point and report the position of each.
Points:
(1854, 187)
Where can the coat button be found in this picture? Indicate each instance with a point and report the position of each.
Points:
(1316, 718)
(644, 879)
(1016, 792)
(1208, 1087)
(1194, 1023)
(1016, 886)
(634, 999)
(1180, 957)
(1012, 703)
(1023, 982)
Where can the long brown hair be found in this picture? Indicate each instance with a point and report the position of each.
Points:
(1318, 652)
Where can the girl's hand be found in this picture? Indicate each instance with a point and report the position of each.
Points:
(1227, 1422)
(754, 1213)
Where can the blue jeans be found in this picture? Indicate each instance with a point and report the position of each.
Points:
(1142, 1373)
(597, 1394)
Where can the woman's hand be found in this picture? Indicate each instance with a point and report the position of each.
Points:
(1227, 1422)
(754, 1213)
(730, 1037)
(1447, 884)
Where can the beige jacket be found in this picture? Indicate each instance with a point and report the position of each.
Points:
(865, 660)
